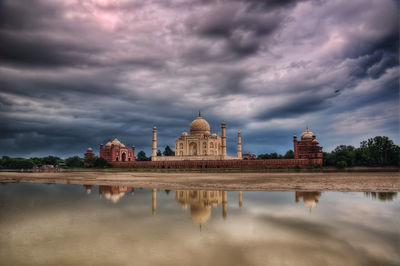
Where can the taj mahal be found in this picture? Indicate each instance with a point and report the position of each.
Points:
(199, 144)
(202, 148)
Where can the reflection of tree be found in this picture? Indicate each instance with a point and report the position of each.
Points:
(201, 201)
(310, 199)
(382, 196)
(114, 193)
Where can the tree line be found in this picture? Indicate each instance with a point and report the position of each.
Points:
(378, 151)
(288, 155)
(7, 162)
(141, 156)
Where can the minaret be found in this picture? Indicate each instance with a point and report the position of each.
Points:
(224, 204)
(154, 201)
(223, 136)
(154, 149)
(239, 145)
(240, 199)
(295, 145)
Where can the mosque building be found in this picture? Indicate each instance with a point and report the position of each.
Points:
(116, 151)
(199, 144)
(307, 147)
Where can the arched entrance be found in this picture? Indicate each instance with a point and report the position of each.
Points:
(123, 156)
(193, 148)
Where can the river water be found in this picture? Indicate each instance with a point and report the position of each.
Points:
(56, 224)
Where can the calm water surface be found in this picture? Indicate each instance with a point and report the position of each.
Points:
(49, 224)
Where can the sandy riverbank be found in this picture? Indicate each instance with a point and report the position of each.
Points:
(336, 181)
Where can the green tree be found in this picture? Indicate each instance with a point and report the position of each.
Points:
(101, 163)
(328, 159)
(90, 161)
(37, 161)
(273, 155)
(51, 160)
(289, 155)
(168, 151)
(74, 162)
(141, 156)
(345, 154)
(378, 151)
(16, 163)
(159, 153)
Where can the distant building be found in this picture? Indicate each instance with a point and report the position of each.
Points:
(307, 147)
(115, 151)
(89, 153)
(249, 156)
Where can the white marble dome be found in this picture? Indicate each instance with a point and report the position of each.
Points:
(199, 126)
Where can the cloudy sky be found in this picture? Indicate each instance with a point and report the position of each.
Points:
(77, 73)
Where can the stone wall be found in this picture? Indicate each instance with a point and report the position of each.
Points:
(219, 164)
(194, 158)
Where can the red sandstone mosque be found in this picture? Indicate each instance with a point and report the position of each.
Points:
(202, 149)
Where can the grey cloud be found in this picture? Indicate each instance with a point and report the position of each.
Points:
(73, 76)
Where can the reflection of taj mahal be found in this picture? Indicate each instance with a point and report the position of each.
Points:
(201, 202)
(200, 144)
(310, 199)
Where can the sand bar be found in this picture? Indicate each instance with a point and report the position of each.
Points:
(283, 181)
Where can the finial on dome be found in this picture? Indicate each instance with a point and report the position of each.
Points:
(199, 113)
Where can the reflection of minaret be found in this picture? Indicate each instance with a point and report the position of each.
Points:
(240, 199)
(224, 203)
(88, 188)
(154, 201)
(310, 199)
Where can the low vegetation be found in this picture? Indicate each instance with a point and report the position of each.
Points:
(378, 151)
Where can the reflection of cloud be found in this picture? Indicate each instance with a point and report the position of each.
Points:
(55, 225)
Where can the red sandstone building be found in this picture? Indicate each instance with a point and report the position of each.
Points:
(307, 147)
(115, 151)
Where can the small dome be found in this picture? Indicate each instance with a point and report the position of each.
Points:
(199, 126)
(200, 214)
(184, 134)
(108, 144)
(214, 134)
(307, 134)
(89, 150)
(315, 141)
(116, 142)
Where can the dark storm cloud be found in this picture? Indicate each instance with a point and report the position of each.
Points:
(78, 73)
